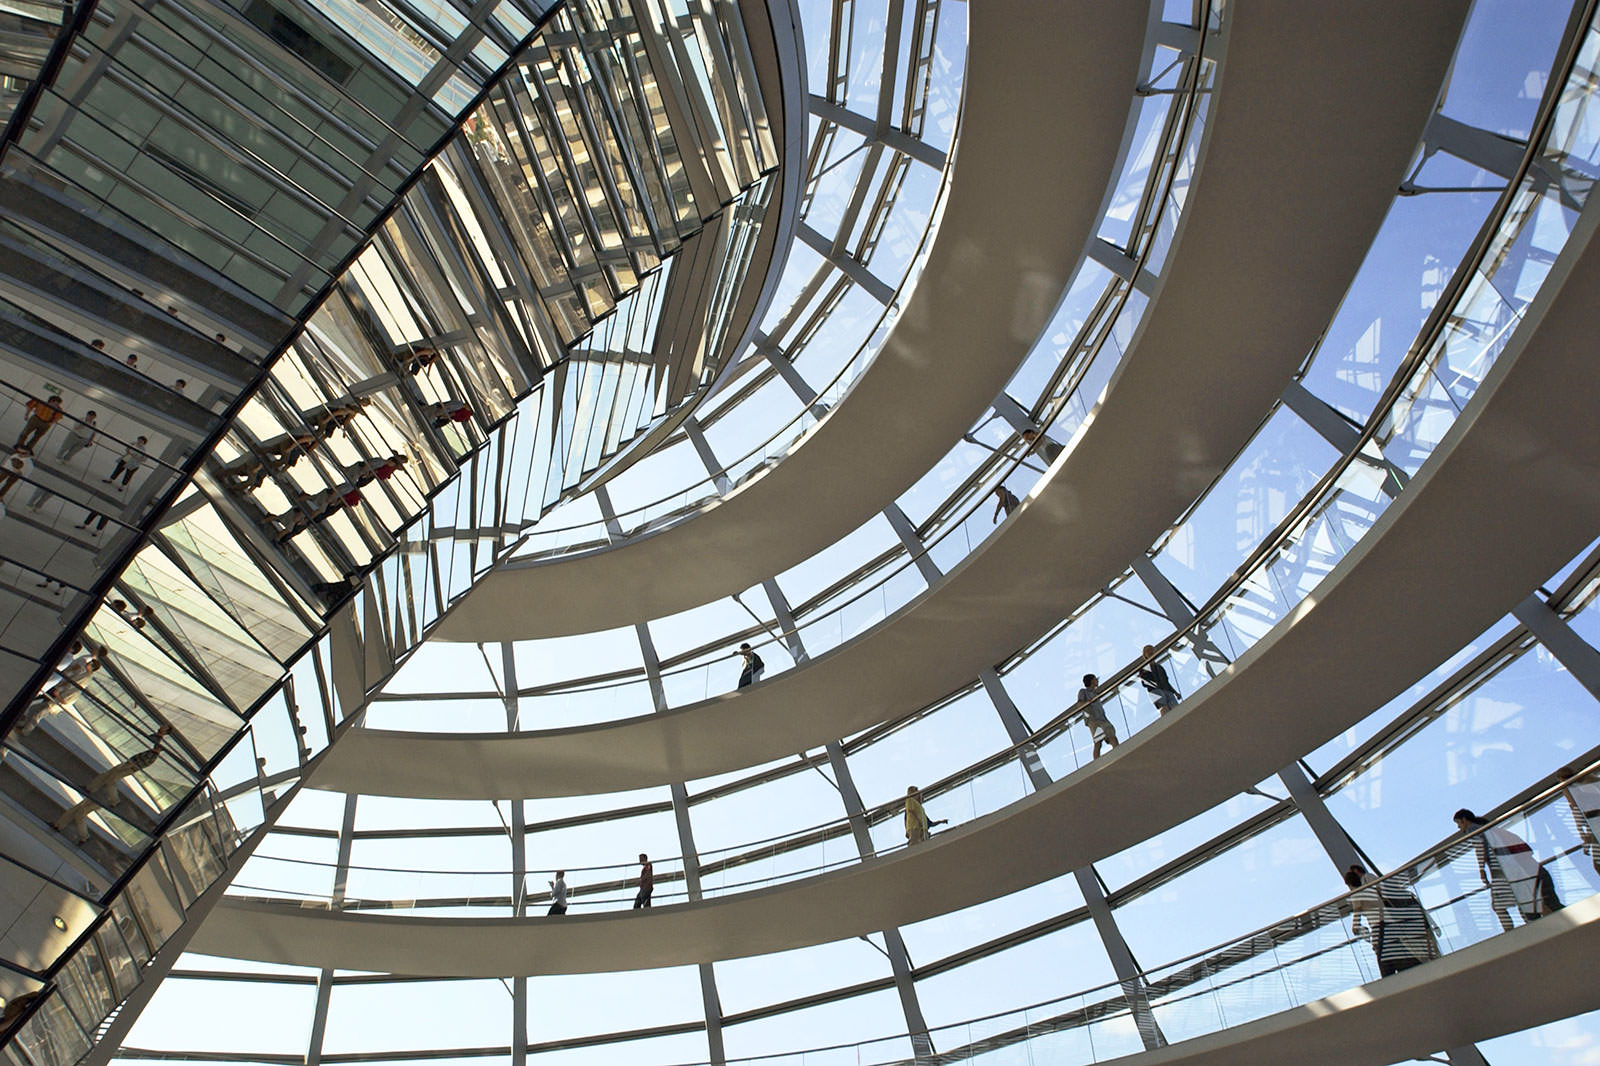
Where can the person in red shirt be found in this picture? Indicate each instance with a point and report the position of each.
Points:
(443, 414)
(380, 469)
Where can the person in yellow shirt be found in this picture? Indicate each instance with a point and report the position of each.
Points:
(917, 824)
(41, 416)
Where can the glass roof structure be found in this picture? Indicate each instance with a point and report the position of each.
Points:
(425, 654)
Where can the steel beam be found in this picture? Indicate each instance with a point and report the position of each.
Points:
(1577, 655)
(691, 856)
(850, 267)
(791, 376)
(912, 543)
(1094, 898)
(708, 459)
(892, 139)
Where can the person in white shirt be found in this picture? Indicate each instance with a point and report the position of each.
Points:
(1094, 714)
(1396, 925)
(129, 462)
(1509, 869)
(558, 893)
(1048, 449)
(81, 437)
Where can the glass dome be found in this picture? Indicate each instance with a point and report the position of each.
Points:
(767, 670)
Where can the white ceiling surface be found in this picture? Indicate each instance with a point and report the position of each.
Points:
(1506, 501)
(1318, 112)
(1045, 110)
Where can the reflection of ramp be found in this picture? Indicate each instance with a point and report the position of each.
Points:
(1026, 193)
(1125, 477)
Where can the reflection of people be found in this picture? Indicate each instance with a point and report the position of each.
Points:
(442, 414)
(64, 693)
(381, 469)
(1583, 797)
(129, 461)
(917, 824)
(337, 416)
(73, 823)
(421, 359)
(318, 506)
(18, 465)
(1397, 926)
(1153, 676)
(80, 438)
(292, 444)
(103, 786)
(647, 882)
(99, 520)
(1506, 864)
(558, 893)
(280, 457)
(1094, 714)
(753, 666)
(41, 416)
(134, 616)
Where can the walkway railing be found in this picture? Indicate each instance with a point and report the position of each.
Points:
(1537, 855)
(1433, 906)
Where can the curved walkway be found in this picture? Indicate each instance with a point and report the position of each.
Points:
(1528, 977)
(1509, 982)
(1125, 475)
(1506, 501)
(1026, 192)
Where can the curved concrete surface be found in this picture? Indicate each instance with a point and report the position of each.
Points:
(1334, 95)
(1507, 500)
(1530, 976)
(1026, 194)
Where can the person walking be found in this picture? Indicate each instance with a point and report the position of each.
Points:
(82, 436)
(90, 515)
(1508, 868)
(128, 462)
(376, 469)
(1153, 676)
(1583, 797)
(1004, 500)
(558, 894)
(1396, 924)
(1047, 449)
(41, 416)
(647, 882)
(61, 696)
(917, 824)
(103, 786)
(1094, 714)
(134, 616)
(753, 666)
(17, 465)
